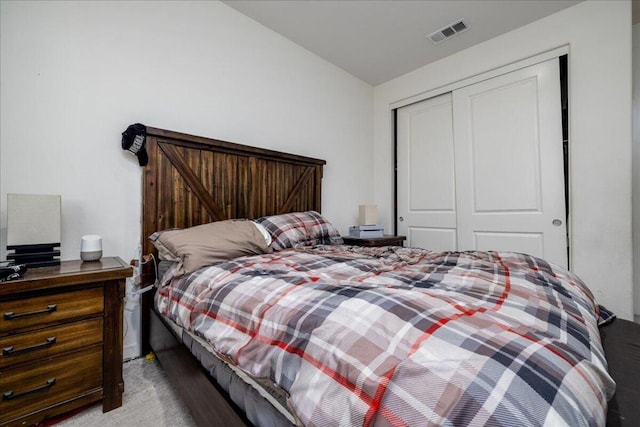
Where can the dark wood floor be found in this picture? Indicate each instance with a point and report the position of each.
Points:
(621, 341)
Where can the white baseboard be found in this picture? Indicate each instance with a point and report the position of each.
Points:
(130, 351)
(131, 324)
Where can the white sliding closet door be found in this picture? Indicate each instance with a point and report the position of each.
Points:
(507, 162)
(426, 175)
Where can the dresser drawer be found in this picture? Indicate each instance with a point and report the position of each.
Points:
(54, 381)
(30, 312)
(49, 342)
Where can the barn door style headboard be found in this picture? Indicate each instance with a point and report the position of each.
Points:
(191, 180)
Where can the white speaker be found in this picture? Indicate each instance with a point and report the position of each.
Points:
(91, 248)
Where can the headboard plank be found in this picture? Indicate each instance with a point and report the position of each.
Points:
(191, 180)
(187, 169)
(216, 145)
(245, 202)
(289, 204)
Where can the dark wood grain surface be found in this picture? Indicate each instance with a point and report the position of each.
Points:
(78, 373)
(68, 273)
(32, 312)
(61, 340)
(386, 240)
(191, 180)
(66, 337)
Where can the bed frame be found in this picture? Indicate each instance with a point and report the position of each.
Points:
(191, 180)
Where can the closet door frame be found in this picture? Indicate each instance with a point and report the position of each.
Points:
(545, 56)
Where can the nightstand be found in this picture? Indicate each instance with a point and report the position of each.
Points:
(61, 340)
(386, 240)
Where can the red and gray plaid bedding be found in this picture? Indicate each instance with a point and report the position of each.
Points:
(401, 336)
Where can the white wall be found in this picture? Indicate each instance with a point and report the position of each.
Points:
(636, 168)
(74, 74)
(599, 38)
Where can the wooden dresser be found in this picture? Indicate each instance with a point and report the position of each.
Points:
(61, 340)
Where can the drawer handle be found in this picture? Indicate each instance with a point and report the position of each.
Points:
(11, 395)
(10, 351)
(11, 315)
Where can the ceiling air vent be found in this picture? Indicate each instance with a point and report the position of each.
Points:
(449, 31)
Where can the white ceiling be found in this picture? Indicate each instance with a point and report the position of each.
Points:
(378, 40)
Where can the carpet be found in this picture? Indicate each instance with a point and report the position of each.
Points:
(148, 400)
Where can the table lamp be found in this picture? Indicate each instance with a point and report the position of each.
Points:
(368, 214)
(34, 229)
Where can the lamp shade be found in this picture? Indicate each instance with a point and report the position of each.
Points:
(368, 214)
(33, 219)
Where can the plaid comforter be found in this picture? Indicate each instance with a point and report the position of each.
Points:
(401, 336)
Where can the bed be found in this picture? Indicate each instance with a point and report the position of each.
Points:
(192, 181)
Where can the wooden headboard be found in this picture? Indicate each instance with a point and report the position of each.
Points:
(191, 180)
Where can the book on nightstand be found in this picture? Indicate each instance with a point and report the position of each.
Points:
(366, 231)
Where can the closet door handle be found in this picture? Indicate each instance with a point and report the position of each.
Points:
(11, 315)
(556, 222)
(10, 351)
(11, 395)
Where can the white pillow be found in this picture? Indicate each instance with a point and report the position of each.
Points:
(265, 233)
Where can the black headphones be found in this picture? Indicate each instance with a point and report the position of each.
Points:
(133, 140)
